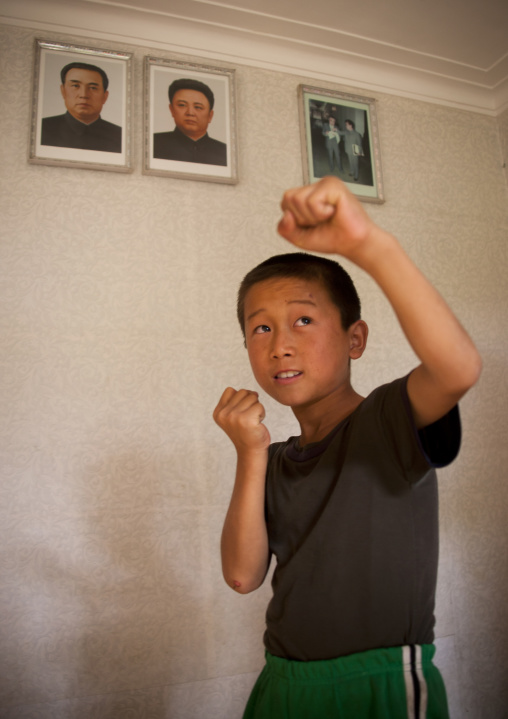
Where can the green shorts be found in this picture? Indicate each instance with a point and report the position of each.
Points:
(395, 683)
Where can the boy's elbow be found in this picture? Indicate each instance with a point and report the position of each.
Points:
(472, 371)
(245, 581)
(478, 368)
(243, 587)
(466, 375)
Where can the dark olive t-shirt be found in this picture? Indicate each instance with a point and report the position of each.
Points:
(353, 523)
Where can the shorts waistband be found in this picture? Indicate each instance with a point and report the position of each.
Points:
(373, 661)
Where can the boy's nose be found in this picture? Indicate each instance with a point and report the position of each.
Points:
(281, 345)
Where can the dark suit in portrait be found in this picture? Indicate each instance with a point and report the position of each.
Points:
(66, 131)
(175, 145)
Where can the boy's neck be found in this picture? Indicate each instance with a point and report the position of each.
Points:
(317, 421)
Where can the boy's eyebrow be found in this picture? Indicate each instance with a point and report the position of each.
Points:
(289, 302)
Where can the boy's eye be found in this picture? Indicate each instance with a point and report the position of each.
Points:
(302, 321)
(260, 329)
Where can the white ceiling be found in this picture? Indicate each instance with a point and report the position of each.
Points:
(448, 51)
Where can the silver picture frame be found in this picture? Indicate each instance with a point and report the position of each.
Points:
(56, 137)
(348, 147)
(167, 152)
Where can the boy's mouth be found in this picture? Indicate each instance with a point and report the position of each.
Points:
(287, 374)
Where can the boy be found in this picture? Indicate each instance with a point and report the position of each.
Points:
(349, 508)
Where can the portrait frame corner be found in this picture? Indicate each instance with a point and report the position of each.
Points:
(94, 134)
(350, 148)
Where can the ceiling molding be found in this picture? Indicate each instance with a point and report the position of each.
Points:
(213, 31)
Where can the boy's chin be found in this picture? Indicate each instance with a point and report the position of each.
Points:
(284, 398)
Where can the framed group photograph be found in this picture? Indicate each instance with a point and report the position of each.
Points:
(339, 136)
(190, 121)
(81, 107)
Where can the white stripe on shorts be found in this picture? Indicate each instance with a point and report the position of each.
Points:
(416, 686)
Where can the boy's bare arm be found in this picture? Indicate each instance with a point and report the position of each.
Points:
(244, 544)
(326, 217)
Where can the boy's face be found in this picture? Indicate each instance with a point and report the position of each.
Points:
(297, 347)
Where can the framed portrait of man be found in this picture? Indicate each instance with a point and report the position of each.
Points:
(339, 136)
(190, 121)
(81, 107)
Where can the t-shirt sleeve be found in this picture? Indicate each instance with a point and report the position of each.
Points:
(415, 451)
(440, 441)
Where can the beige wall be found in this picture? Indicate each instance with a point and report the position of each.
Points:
(118, 335)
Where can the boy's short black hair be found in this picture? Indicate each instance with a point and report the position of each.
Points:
(301, 265)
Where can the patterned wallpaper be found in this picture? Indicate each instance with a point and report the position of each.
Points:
(118, 333)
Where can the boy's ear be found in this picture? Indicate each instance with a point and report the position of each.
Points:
(358, 333)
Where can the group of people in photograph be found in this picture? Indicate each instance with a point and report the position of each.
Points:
(353, 145)
(334, 129)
